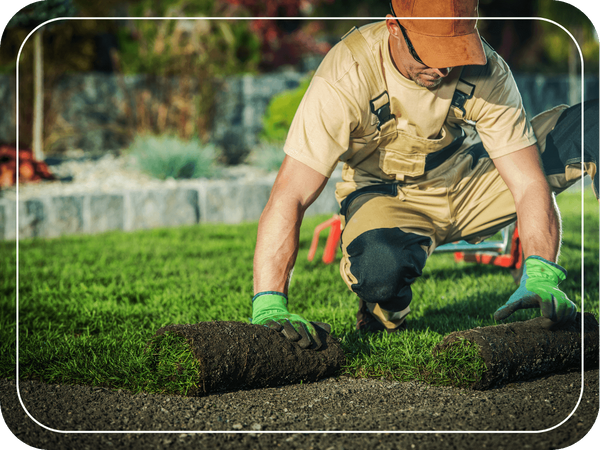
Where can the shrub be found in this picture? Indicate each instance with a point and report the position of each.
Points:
(280, 112)
(168, 156)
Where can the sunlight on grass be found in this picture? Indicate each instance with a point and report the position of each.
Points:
(89, 305)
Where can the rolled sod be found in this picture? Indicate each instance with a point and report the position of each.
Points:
(237, 355)
(523, 350)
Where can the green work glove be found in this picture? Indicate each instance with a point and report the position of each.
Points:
(270, 309)
(539, 288)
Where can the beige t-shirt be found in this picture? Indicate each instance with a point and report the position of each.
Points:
(334, 121)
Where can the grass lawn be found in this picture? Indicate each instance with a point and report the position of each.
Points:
(88, 305)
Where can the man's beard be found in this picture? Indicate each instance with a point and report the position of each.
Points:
(427, 83)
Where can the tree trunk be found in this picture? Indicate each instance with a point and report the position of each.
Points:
(38, 93)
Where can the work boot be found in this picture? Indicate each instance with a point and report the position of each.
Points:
(367, 322)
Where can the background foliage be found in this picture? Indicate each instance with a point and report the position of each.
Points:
(280, 112)
(210, 50)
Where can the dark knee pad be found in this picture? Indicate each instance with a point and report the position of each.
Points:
(385, 262)
(563, 144)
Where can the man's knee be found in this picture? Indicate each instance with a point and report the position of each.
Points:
(385, 262)
(563, 158)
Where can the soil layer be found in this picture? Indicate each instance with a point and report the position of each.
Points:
(524, 350)
(237, 355)
(300, 413)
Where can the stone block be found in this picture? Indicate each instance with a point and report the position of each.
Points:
(106, 212)
(8, 224)
(182, 207)
(230, 202)
(326, 202)
(66, 216)
(32, 218)
(161, 208)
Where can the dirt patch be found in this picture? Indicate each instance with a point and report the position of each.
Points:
(554, 411)
(524, 350)
(237, 355)
(303, 412)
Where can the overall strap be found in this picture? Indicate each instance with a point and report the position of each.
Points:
(358, 46)
(463, 92)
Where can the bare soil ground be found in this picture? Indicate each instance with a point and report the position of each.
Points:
(331, 414)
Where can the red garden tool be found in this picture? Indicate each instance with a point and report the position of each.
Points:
(333, 239)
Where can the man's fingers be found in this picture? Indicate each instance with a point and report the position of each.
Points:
(324, 326)
(503, 312)
(559, 310)
(274, 325)
(307, 339)
(290, 332)
(314, 334)
(306, 336)
(530, 301)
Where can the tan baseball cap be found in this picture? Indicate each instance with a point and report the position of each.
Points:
(438, 42)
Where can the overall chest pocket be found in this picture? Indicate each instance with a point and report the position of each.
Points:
(405, 154)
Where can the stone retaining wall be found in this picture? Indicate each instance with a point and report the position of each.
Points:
(97, 112)
(93, 111)
(201, 202)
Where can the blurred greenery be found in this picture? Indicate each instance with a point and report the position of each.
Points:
(171, 157)
(143, 46)
(206, 48)
(209, 50)
(280, 112)
(267, 155)
(527, 45)
(558, 48)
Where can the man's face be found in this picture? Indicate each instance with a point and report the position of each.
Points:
(407, 65)
(427, 77)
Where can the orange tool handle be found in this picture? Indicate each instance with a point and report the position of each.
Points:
(332, 239)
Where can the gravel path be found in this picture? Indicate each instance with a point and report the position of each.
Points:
(247, 419)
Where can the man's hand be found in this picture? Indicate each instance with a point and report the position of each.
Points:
(539, 288)
(270, 310)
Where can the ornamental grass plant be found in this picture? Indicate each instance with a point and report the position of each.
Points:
(168, 156)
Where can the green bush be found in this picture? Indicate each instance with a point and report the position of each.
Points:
(171, 157)
(280, 113)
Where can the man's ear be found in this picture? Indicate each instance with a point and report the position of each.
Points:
(392, 25)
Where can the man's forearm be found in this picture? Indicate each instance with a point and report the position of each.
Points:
(276, 247)
(295, 188)
(539, 223)
(537, 214)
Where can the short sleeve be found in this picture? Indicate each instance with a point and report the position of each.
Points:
(320, 131)
(498, 111)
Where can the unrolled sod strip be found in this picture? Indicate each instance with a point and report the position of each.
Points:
(524, 350)
(237, 355)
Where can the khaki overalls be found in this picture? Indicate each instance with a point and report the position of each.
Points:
(430, 192)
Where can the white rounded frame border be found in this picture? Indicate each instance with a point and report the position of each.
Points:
(298, 431)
